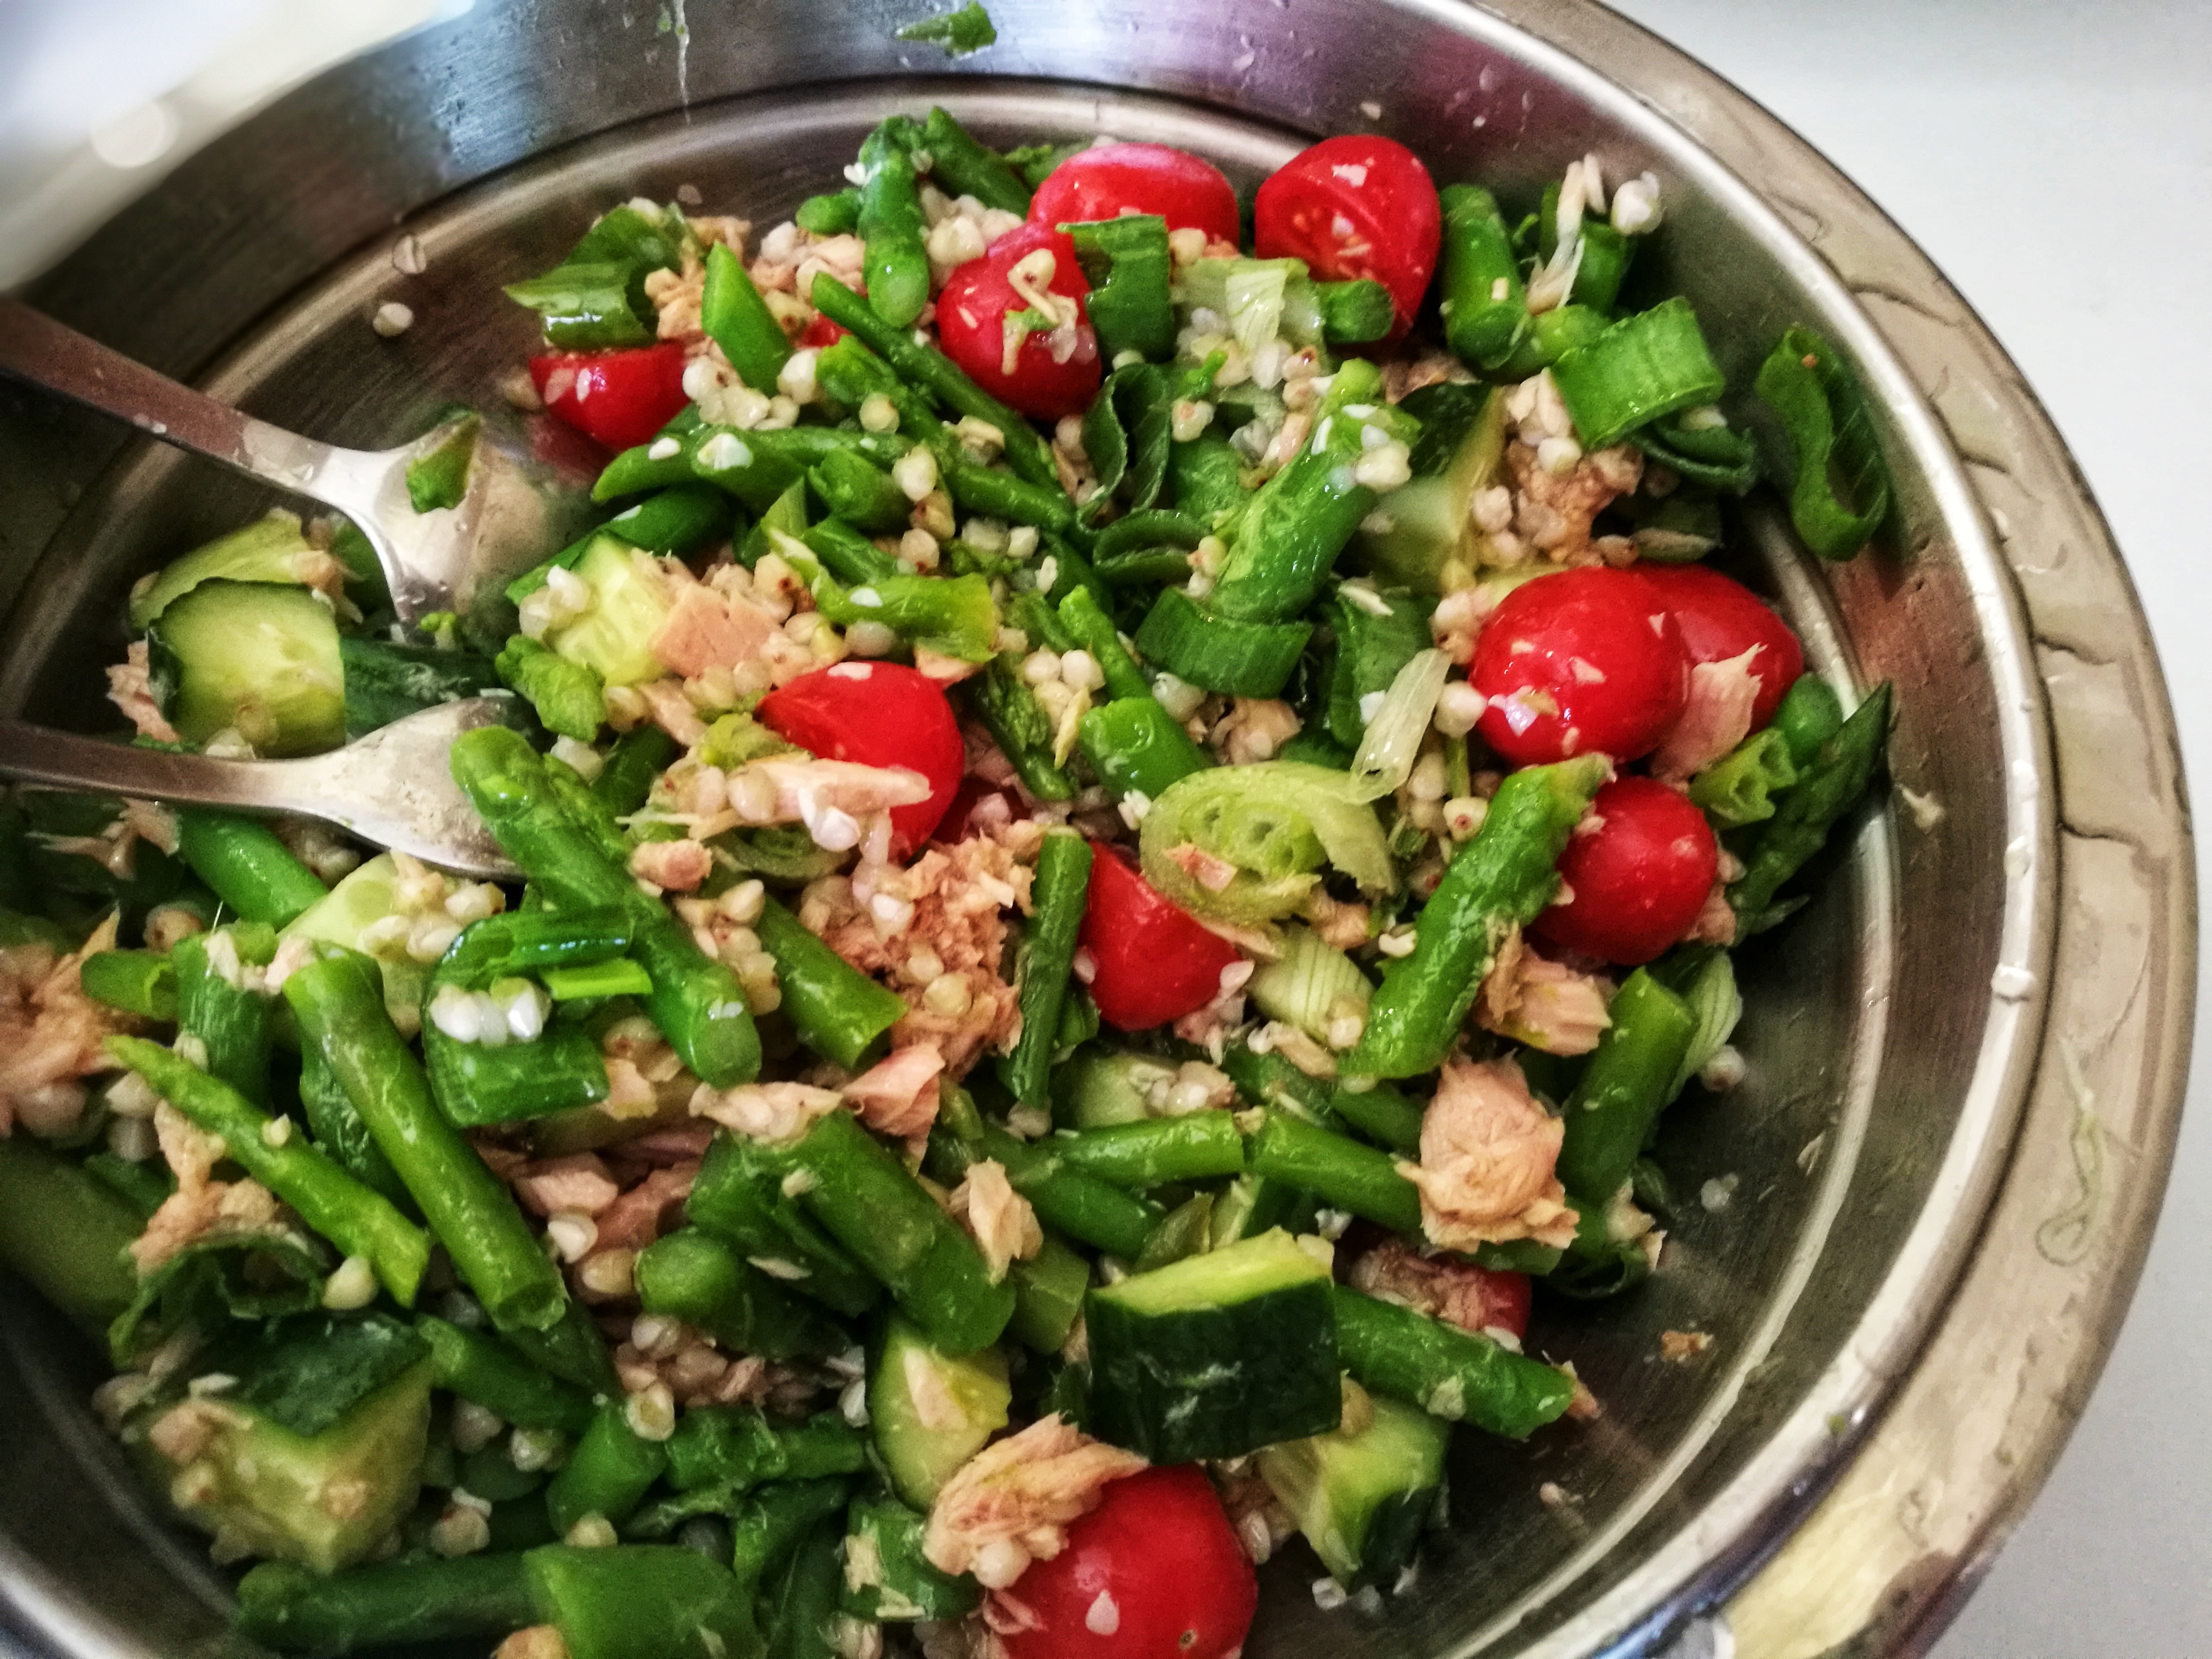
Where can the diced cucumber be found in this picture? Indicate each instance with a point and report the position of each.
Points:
(1251, 1205)
(1216, 1355)
(272, 550)
(629, 604)
(1362, 1493)
(261, 657)
(325, 1499)
(1049, 1290)
(886, 1575)
(1426, 524)
(1098, 1087)
(1309, 983)
(931, 1412)
(362, 899)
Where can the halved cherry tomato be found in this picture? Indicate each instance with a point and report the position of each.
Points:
(1588, 659)
(819, 333)
(619, 398)
(1355, 205)
(971, 326)
(876, 714)
(1637, 881)
(1721, 618)
(1154, 961)
(1107, 181)
(1154, 1573)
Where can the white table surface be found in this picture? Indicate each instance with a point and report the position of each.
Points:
(2055, 158)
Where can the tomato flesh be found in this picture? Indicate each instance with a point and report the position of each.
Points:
(1109, 180)
(1154, 1573)
(971, 327)
(1154, 961)
(1720, 619)
(876, 714)
(1356, 205)
(1638, 879)
(1586, 660)
(619, 399)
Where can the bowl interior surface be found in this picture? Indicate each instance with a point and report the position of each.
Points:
(1820, 1208)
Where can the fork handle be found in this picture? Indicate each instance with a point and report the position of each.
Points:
(39, 755)
(37, 350)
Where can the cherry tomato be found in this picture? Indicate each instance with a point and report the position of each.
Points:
(1721, 618)
(971, 326)
(1109, 180)
(1586, 660)
(619, 398)
(1637, 879)
(1155, 961)
(876, 714)
(819, 333)
(1154, 1573)
(1356, 205)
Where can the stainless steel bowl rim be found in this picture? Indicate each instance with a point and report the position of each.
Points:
(1857, 1573)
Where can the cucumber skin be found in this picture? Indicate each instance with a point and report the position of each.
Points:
(920, 1461)
(261, 657)
(1216, 1382)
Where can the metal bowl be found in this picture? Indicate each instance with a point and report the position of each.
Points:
(1966, 1056)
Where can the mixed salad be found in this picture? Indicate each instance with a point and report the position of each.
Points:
(1127, 833)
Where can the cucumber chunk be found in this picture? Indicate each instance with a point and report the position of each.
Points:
(272, 550)
(364, 898)
(261, 657)
(324, 1499)
(1100, 1087)
(887, 1577)
(931, 1412)
(1362, 1493)
(629, 604)
(1426, 524)
(1216, 1355)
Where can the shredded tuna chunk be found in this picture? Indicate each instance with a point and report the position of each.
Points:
(1715, 923)
(212, 1208)
(707, 629)
(672, 711)
(999, 1218)
(641, 1214)
(1253, 730)
(128, 689)
(1717, 717)
(1487, 1171)
(898, 1096)
(944, 957)
(773, 1112)
(578, 1183)
(1458, 1292)
(51, 1034)
(1011, 1503)
(1545, 1004)
(805, 791)
(1555, 513)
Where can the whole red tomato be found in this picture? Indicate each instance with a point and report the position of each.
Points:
(1637, 881)
(1107, 181)
(972, 327)
(1585, 661)
(620, 398)
(1153, 961)
(1356, 205)
(876, 714)
(1154, 1573)
(1721, 619)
